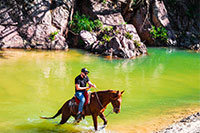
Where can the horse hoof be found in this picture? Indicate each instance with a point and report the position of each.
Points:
(104, 126)
(76, 121)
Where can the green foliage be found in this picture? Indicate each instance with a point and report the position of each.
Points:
(122, 23)
(101, 42)
(104, 1)
(159, 33)
(117, 32)
(98, 23)
(128, 36)
(107, 28)
(53, 35)
(137, 43)
(106, 38)
(82, 22)
(134, 2)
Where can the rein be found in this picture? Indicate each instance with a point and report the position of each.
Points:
(98, 99)
(111, 111)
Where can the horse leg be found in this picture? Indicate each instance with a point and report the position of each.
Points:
(102, 116)
(65, 116)
(64, 119)
(95, 121)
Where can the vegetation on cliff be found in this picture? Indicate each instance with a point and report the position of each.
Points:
(32, 24)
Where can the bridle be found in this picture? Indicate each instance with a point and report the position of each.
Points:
(113, 99)
(114, 104)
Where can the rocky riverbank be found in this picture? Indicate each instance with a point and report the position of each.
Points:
(190, 124)
(134, 24)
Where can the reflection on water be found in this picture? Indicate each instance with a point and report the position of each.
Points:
(37, 83)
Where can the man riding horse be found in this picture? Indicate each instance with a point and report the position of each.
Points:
(80, 87)
(98, 102)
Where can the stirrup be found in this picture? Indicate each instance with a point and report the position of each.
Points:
(78, 118)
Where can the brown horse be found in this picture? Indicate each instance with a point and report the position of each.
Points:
(98, 103)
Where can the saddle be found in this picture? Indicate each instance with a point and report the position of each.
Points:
(86, 99)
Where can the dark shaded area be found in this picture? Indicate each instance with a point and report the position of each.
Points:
(18, 15)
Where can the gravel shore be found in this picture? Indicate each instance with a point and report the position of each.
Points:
(190, 124)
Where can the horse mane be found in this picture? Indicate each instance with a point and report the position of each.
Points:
(106, 91)
(112, 93)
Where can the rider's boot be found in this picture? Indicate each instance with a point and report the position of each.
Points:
(78, 117)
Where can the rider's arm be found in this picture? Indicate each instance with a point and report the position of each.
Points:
(92, 85)
(81, 88)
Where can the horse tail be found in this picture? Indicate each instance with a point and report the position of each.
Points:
(57, 114)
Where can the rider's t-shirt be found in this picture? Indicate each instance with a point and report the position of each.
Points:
(82, 82)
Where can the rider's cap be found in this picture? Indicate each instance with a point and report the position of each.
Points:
(84, 70)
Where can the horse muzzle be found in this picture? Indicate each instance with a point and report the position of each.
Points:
(116, 110)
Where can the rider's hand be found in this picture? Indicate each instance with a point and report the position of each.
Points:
(88, 87)
(94, 86)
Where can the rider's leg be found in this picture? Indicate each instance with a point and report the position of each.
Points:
(80, 96)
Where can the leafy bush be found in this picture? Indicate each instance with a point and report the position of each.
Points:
(53, 35)
(128, 36)
(101, 42)
(82, 22)
(137, 43)
(98, 23)
(104, 1)
(134, 2)
(107, 28)
(106, 38)
(117, 32)
(159, 33)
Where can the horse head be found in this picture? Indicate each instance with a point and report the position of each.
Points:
(116, 100)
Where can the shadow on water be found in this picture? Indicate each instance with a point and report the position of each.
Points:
(45, 127)
(2, 56)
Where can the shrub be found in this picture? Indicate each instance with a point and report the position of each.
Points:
(53, 35)
(107, 28)
(117, 32)
(159, 33)
(128, 36)
(82, 22)
(98, 23)
(104, 1)
(101, 42)
(106, 38)
(134, 2)
(137, 43)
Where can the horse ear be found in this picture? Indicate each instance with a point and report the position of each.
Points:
(122, 92)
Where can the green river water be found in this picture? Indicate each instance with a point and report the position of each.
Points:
(37, 83)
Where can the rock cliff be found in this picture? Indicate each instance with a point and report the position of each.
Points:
(44, 24)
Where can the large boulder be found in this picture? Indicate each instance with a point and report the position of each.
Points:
(88, 37)
(160, 18)
(9, 37)
(123, 36)
(184, 19)
(35, 24)
(125, 43)
(143, 26)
